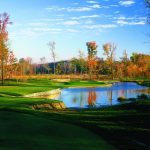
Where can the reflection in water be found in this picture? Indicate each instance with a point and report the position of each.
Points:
(74, 100)
(81, 99)
(91, 98)
(109, 95)
(101, 96)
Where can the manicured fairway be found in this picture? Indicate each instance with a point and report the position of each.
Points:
(19, 131)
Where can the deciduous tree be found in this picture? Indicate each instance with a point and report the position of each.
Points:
(4, 21)
(109, 52)
(92, 52)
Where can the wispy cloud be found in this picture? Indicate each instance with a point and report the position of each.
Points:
(47, 29)
(75, 9)
(79, 9)
(95, 6)
(92, 2)
(70, 23)
(100, 26)
(130, 18)
(85, 17)
(123, 22)
(52, 20)
(126, 3)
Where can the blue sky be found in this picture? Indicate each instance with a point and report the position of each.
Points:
(72, 23)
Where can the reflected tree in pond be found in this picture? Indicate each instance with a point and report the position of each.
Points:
(92, 98)
(81, 99)
(74, 100)
(109, 96)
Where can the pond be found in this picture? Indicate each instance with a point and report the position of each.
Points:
(100, 96)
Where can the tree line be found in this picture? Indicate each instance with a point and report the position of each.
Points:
(135, 66)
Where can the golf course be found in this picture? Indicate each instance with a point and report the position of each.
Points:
(124, 126)
(74, 75)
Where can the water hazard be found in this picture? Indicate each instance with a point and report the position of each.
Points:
(101, 96)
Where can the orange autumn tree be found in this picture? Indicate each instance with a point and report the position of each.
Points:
(4, 21)
(12, 65)
(92, 98)
(92, 51)
(142, 61)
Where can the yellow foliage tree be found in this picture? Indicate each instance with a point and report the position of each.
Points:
(4, 21)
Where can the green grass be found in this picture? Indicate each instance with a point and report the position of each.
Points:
(126, 127)
(41, 85)
(22, 128)
(20, 131)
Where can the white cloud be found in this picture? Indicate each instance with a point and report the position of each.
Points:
(130, 18)
(135, 20)
(85, 17)
(75, 9)
(124, 18)
(95, 6)
(126, 3)
(92, 2)
(71, 23)
(99, 26)
(79, 9)
(123, 22)
(52, 20)
(47, 29)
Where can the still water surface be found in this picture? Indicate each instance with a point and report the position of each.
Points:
(100, 96)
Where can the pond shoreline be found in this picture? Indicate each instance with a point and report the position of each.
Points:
(46, 93)
(97, 96)
(107, 85)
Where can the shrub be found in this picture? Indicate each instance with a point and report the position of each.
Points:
(121, 99)
(142, 96)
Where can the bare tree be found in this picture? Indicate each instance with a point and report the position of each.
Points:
(109, 51)
(53, 54)
(42, 61)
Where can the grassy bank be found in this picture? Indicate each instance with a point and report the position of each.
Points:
(11, 88)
